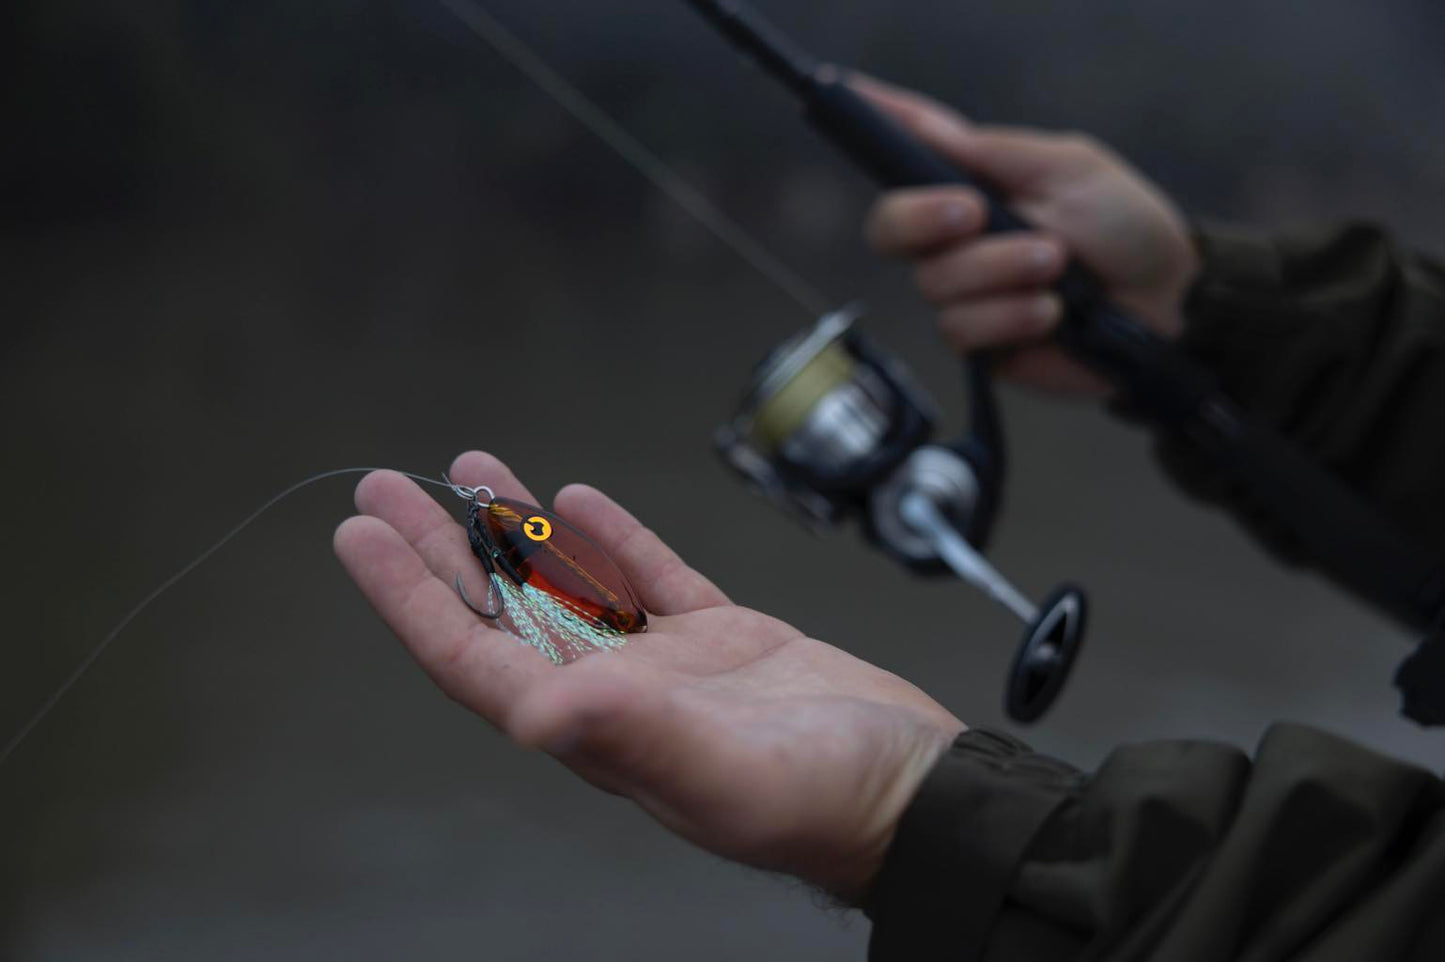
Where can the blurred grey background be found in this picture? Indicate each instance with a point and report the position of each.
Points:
(247, 242)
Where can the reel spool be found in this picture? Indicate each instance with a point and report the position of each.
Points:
(833, 427)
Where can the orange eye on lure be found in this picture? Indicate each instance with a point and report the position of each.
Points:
(561, 593)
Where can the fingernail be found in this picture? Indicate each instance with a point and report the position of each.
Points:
(955, 215)
(1043, 257)
(944, 127)
(1047, 308)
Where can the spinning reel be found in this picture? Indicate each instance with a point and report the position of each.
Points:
(833, 427)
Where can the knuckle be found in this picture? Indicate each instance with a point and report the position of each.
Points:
(636, 543)
(448, 667)
(666, 570)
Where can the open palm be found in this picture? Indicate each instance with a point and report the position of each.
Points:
(731, 728)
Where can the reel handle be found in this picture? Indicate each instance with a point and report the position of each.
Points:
(1053, 632)
(1050, 647)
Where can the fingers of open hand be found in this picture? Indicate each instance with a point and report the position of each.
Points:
(431, 531)
(915, 220)
(472, 662)
(667, 585)
(477, 666)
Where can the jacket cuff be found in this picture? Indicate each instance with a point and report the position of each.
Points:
(1236, 315)
(959, 845)
(1240, 325)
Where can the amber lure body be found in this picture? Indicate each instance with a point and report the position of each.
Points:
(533, 547)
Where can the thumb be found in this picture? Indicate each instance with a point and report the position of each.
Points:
(634, 737)
(618, 731)
(1014, 159)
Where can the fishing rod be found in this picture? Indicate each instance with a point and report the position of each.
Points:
(1177, 397)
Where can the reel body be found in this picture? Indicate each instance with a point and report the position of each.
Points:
(833, 427)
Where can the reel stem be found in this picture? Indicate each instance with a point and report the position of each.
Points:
(921, 514)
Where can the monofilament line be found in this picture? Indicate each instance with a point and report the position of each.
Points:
(732, 234)
(165, 586)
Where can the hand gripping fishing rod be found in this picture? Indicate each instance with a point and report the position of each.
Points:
(1347, 538)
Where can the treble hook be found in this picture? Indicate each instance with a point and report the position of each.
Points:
(491, 593)
(472, 496)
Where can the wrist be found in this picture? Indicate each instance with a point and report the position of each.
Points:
(854, 877)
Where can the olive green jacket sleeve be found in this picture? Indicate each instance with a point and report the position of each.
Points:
(1336, 339)
(1316, 850)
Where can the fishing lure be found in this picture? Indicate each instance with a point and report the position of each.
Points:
(560, 592)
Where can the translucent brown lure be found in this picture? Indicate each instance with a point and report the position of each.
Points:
(560, 593)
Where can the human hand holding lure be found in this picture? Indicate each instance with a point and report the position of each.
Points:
(730, 727)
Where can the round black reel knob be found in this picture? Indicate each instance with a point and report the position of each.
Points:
(1051, 645)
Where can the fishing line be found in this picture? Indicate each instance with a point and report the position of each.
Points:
(170, 582)
(632, 151)
(732, 234)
